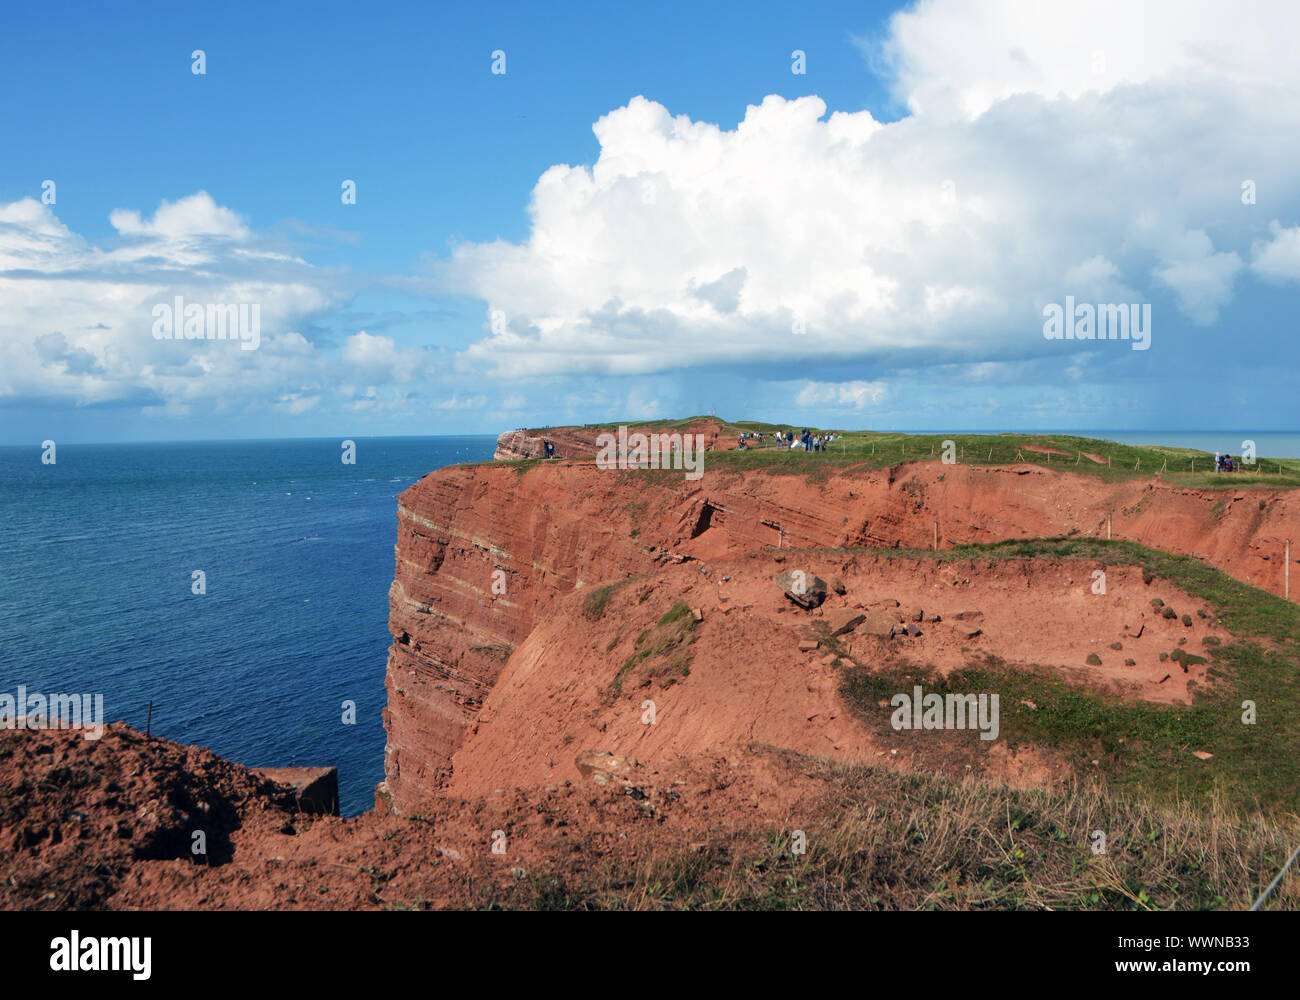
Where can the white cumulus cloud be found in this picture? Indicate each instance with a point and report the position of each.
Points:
(1054, 149)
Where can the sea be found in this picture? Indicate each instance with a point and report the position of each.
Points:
(98, 555)
(281, 660)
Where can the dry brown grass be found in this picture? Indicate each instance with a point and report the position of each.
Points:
(885, 841)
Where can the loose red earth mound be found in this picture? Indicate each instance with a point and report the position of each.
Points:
(76, 813)
(110, 824)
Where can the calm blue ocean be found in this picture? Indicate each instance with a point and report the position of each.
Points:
(96, 556)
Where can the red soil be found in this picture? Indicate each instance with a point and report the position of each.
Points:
(749, 682)
(109, 824)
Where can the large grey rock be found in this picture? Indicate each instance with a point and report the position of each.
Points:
(803, 587)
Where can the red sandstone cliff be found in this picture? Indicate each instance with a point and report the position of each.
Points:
(566, 524)
(580, 442)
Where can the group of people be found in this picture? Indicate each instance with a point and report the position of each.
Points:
(805, 439)
(1224, 463)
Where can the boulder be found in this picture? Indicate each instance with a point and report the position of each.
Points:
(844, 620)
(803, 587)
(879, 623)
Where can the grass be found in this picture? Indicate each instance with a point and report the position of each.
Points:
(881, 840)
(881, 449)
(874, 450)
(662, 653)
(593, 607)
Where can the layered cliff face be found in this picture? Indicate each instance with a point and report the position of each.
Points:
(484, 551)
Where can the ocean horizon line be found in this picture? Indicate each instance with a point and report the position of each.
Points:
(1091, 432)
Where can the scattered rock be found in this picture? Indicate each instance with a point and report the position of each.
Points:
(808, 645)
(1093, 660)
(1201, 754)
(837, 585)
(968, 616)
(606, 768)
(1030, 705)
(1117, 645)
(1168, 612)
(698, 614)
(1130, 662)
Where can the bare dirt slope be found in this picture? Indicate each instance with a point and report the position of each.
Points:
(749, 681)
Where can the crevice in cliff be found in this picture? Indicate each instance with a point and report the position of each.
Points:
(705, 520)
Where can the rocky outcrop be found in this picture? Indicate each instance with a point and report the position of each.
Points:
(482, 551)
(315, 789)
(580, 442)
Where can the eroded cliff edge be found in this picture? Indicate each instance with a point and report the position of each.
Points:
(484, 551)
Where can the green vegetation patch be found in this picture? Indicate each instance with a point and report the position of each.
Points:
(662, 653)
(1144, 745)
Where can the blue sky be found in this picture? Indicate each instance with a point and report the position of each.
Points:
(646, 214)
